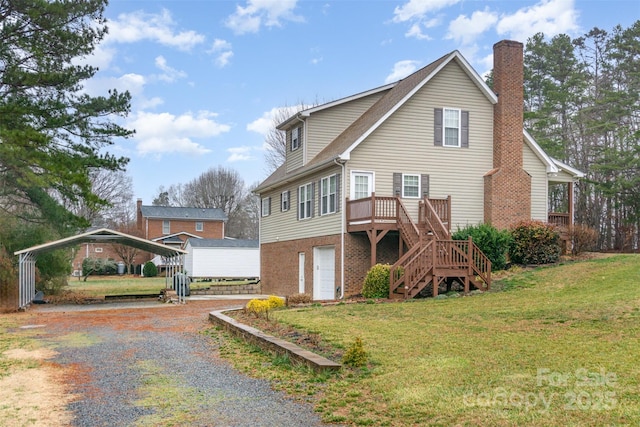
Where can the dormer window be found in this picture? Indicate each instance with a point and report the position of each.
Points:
(295, 138)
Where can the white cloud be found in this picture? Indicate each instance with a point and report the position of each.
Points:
(238, 154)
(159, 28)
(222, 49)
(166, 133)
(132, 82)
(257, 13)
(402, 69)
(550, 17)
(169, 74)
(101, 57)
(144, 103)
(465, 30)
(265, 124)
(417, 13)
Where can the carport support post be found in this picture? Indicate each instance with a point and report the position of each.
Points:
(26, 279)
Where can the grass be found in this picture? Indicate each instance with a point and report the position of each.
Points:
(100, 286)
(558, 346)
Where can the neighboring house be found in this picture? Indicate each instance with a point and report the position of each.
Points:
(384, 175)
(222, 258)
(174, 225)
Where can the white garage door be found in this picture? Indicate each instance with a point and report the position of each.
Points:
(324, 272)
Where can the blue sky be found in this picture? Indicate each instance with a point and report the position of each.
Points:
(207, 76)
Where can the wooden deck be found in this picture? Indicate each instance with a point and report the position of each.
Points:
(432, 257)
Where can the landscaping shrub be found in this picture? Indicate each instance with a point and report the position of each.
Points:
(8, 282)
(492, 242)
(376, 284)
(99, 267)
(299, 299)
(355, 355)
(582, 238)
(534, 242)
(149, 269)
(260, 307)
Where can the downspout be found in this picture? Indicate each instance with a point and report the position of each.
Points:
(342, 163)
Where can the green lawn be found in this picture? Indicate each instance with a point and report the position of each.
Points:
(558, 346)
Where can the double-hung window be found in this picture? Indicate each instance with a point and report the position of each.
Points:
(166, 227)
(199, 226)
(451, 127)
(410, 185)
(328, 195)
(295, 138)
(305, 201)
(266, 206)
(284, 201)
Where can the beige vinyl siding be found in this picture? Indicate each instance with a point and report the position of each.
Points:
(325, 125)
(295, 159)
(538, 171)
(280, 226)
(561, 176)
(404, 143)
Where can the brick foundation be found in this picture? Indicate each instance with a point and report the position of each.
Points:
(279, 262)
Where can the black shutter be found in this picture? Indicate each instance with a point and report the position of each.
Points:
(269, 201)
(298, 203)
(437, 127)
(464, 143)
(313, 192)
(338, 184)
(424, 185)
(397, 184)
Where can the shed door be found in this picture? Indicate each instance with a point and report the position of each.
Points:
(324, 273)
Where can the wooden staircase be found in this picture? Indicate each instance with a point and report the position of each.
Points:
(432, 257)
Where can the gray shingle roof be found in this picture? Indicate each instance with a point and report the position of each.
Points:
(171, 212)
(223, 243)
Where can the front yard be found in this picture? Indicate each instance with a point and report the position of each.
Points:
(557, 346)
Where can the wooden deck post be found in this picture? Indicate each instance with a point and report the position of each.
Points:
(436, 278)
(570, 204)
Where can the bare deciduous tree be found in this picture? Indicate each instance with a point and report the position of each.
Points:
(276, 140)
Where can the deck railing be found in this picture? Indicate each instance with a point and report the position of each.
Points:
(433, 213)
(371, 209)
(408, 229)
(559, 219)
(411, 268)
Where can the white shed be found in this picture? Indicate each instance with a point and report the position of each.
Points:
(222, 258)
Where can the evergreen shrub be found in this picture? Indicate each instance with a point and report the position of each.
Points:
(534, 242)
(149, 269)
(376, 284)
(492, 242)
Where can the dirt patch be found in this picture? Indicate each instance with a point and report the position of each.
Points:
(35, 396)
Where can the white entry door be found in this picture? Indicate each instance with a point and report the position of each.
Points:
(361, 185)
(324, 276)
(301, 272)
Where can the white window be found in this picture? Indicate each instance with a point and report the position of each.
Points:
(199, 226)
(295, 138)
(166, 227)
(410, 185)
(284, 201)
(361, 185)
(98, 250)
(451, 127)
(266, 206)
(305, 201)
(328, 193)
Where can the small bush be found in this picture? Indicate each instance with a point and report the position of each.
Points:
(99, 267)
(149, 269)
(492, 242)
(260, 307)
(582, 238)
(53, 286)
(534, 242)
(355, 355)
(376, 284)
(299, 299)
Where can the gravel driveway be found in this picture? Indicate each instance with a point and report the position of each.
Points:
(152, 366)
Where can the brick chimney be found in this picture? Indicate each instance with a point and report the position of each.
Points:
(139, 214)
(507, 187)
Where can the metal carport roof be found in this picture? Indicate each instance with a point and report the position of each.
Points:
(104, 235)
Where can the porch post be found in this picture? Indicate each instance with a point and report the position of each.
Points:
(570, 204)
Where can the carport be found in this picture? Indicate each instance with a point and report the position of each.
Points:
(27, 258)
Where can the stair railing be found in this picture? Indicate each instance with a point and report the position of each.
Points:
(429, 216)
